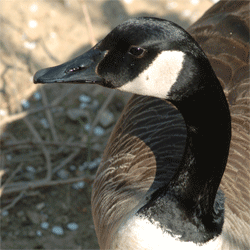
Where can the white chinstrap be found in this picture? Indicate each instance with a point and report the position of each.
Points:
(159, 77)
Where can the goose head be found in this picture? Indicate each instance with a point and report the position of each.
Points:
(145, 56)
(155, 57)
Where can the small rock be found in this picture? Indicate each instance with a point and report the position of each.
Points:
(75, 113)
(99, 131)
(85, 98)
(83, 105)
(33, 7)
(57, 230)
(63, 174)
(98, 161)
(72, 226)
(172, 5)
(195, 2)
(37, 96)
(32, 24)
(78, 185)
(92, 165)
(5, 213)
(72, 168)
(97, 147)
(9, 157)
(34, 217)
(25, 103)
(83, 167)
(30, 45)
(39, 233)
(52, 35)
(44, 225)
(31, 169)
(94, 105)
(40, 206)
(107, 118)
(44, 123)
(186, 13)
(128, 1)
(87, 126)
(3, 112)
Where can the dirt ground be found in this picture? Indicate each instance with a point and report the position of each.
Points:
(49, 153)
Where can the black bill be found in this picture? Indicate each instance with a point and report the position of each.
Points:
(79, 70)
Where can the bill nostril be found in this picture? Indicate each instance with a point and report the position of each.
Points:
(75, 69)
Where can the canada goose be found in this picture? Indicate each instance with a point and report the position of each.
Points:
(157, 185)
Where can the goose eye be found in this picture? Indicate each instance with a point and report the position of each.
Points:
(136, 51)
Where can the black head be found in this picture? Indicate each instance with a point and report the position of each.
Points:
(143, 56)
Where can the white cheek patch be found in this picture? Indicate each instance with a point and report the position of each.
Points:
(159, 77)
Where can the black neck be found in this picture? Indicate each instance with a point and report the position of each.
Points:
(208, 122)
(188, 205)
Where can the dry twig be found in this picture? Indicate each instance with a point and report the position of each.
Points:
(49, 115)
(21, 115)
(13, 203)
(101, 110)
(38, 184)
(45, 151)
(46, 143)
(18, 198)
(10, 178)
(67, 160)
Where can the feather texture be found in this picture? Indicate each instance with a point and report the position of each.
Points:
(223, 33)
(148, 141)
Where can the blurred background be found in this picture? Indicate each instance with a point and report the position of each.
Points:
(52, 136)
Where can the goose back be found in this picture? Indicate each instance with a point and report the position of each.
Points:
(147, 143)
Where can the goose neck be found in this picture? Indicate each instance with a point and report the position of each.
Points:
(208, 124)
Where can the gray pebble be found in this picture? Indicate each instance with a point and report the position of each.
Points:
(63, 174)
(44, 225)
(25, 103)
(99, 131)
(57, 230)
(39, 233)
(72, 226)
(78, 185)
(37, 96)
(84, 98)
(107, 118)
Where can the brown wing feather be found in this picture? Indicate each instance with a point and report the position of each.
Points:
(148, 140)
(149, 136)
